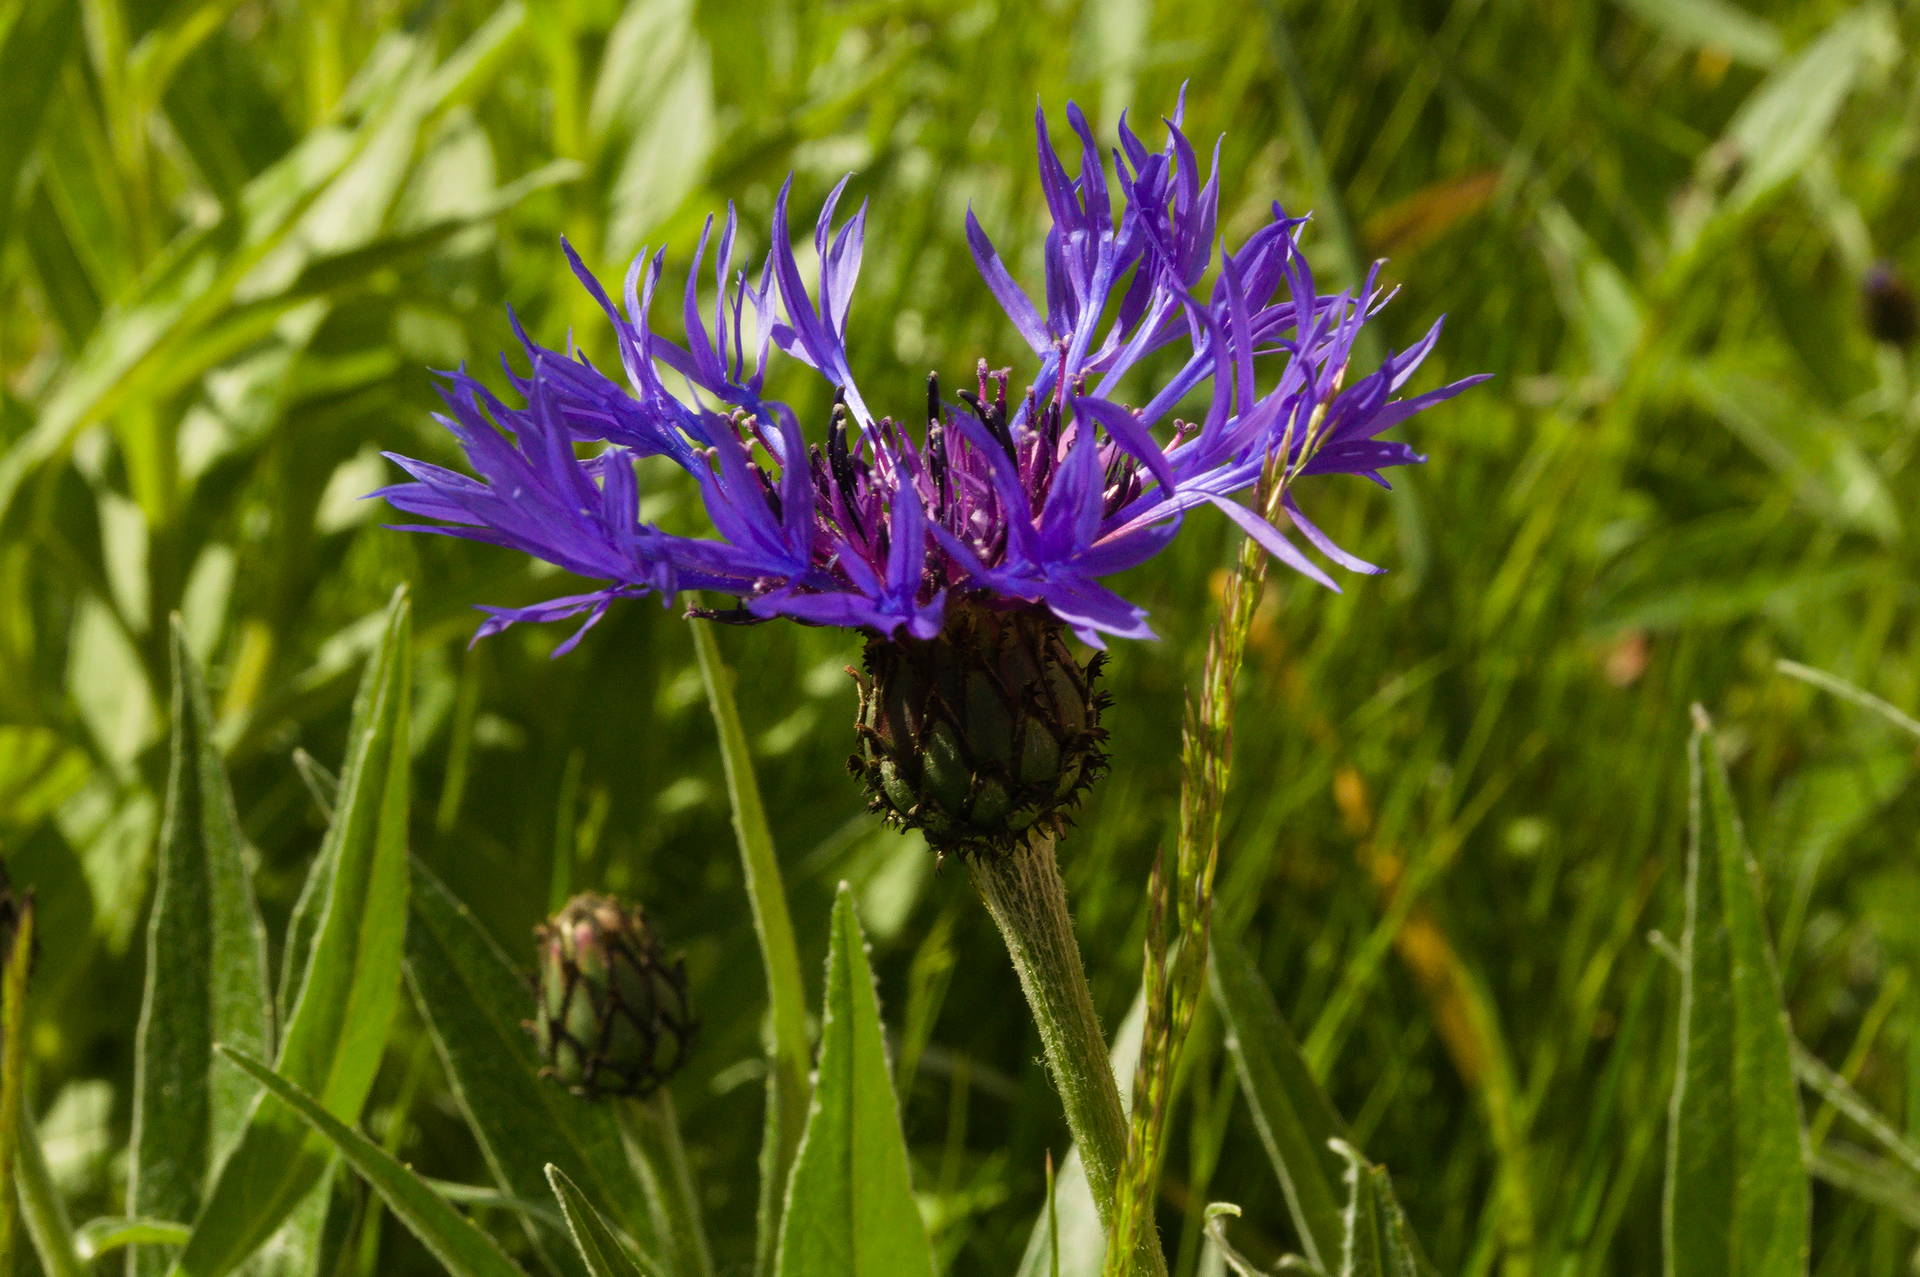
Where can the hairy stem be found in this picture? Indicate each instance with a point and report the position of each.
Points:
(654, 1130)
(1028, 901)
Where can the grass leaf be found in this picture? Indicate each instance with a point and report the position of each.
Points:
(1780, 127)
(337, 1029)
(461, 1247)
(598, 1244)
(1377, 1240)
(850, 1209)
(111, 1232)
(1296, 1123)
(1851, 694)
(1737, 1197)
(35, 45)
(206, 977)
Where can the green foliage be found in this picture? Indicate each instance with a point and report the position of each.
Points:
(1377, 1241)
(600, 1247)
(337, 1026)
(17, 1140)
(850, 1207)
(1737, 1200)
(207, 978)
(1296, 1123)
(463, 1249)
(233, 237)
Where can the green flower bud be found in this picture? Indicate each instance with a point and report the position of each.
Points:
(612, 1016)
(982, 736)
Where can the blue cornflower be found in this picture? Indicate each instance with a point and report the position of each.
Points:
(996, 500)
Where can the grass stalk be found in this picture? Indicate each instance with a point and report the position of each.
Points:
(1182, 899)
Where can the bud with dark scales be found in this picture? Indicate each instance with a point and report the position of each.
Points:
(612, 1016)
(981, 736)
(1891, 314)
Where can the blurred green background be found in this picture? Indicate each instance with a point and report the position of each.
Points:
(235, 234)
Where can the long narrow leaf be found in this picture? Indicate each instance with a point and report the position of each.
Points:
(786, 996)
(599, 1246)
(1377, 1241)
(1737, 1197)
(35, 47)
(850, 1209)
(41, 1209)
(206, 978)
(1851, 694)
(1291, 1112)
(462, 1248)
(337, 1029)
(96, 1237)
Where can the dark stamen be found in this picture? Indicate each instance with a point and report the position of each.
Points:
(842, 464)
(937, 465)
(766, 486)
(995, 420)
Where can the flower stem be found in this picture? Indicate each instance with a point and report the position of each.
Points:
(788, 1088)
(654, 1131)
(1024, 893)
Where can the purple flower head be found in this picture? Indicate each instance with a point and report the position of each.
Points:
(1012, 497)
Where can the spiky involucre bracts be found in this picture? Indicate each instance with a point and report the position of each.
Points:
(612, 1016)
(982, 736)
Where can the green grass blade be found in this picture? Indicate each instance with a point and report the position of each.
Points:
(1737, 1198)
(206, 977)
(462, 1248)
(35, 45)
(1786, 120)
(1837, 1091)
(41, 1209)
(1851, 694)
(21, 1161)
(473, 1001)
(779, 954)
(1216, 1217)
(1296, 1122)
(112, 1232)
(337, 1029)
(600, 1247)
(1377, 1240)
(850, 1209)
(1713, 24)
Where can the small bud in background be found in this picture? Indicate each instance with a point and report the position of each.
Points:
(1889, 307)
(612, 1016)
(12, 904)
(983, 735)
